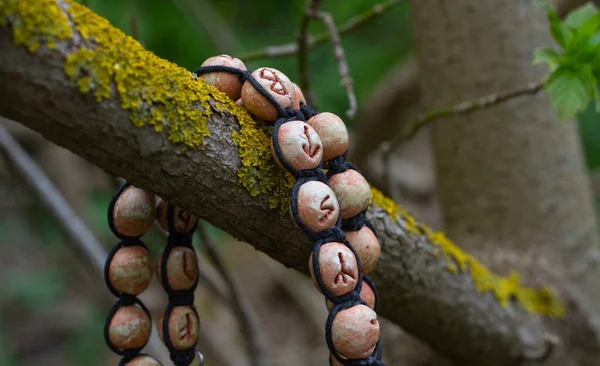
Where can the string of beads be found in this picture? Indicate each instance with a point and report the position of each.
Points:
(128, 272)
(329, 207)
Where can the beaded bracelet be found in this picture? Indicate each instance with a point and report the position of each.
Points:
(330, 208)
(128, 272)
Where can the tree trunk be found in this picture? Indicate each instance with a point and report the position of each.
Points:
(511, 178)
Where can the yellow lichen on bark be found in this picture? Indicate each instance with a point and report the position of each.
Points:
(537, 301)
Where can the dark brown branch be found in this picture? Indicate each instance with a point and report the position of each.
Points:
(291, 49)
(303, 76)
(338, 53)
(239, 306)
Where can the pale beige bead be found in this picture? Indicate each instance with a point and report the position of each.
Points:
(352, 191)
(183, 220)
(300, 145)
(129, 328)
(338, 268)
(318, 207)
(134, 211)
(228, 83)
(196, 361)
(143, 361)
(130, 270)
(183, 326)
(333, 133)
(182, 268)
(275, 83)
(299, 99)
(367, 246)
(366, 294)
(355, 332)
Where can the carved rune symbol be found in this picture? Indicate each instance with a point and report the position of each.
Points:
(185, 218)
(344, 277)
(310, 147)
(275, 85)
(186, 330)
(327, 208)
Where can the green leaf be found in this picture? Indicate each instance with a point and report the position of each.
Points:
(560, 32)
(568, 92)
(546, 55)
(578, 16)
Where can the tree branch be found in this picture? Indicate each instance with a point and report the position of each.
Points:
(465, 107)
(302, 44)
(340, 58)
(84, 95)
(291, 49)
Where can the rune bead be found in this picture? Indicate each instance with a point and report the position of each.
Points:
(143, 361)
(134, 211)
(367, 246)
(182, 268)
(355, 332)
(299, 99)
(276, 84)
(333, 134)
(226, 82)
(183, 326)
(352, 191)
(183, 221)
(130, 270)
(338, 268)
(318, 208)
(129, 328)
(300, 145)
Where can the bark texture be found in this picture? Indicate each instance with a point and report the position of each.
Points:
(427, 285)
(511, 178)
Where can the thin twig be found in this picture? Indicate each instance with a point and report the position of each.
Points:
(340, 58)
(465, 107)
(302, 43)
(291, 49)
(54, 201)
(238, 304)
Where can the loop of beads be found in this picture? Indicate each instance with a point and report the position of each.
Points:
(127, 273)
(330, 208)
(177, 271)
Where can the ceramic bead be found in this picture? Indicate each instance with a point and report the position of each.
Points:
(130, 270)
(318, 207)
(183, 220)
(129, 327)
(183, 326)
(352, 191)
(300, 145)
(299, 99)
(226, 82)
(134, 211)
(143, 361)
(367, 246)
(182, 268)
(274, 82)
(338, 268)
(355, 332)
(333, 133)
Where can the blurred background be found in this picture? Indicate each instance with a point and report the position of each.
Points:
(53, 305)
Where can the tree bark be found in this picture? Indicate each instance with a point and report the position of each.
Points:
(511, 178)
(427, 285)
